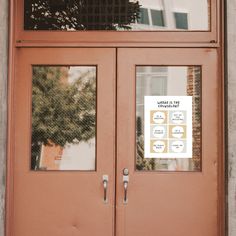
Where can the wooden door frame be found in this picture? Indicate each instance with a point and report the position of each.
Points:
(20, 39)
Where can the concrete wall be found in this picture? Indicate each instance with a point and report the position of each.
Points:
(231, 19)
(3, 107)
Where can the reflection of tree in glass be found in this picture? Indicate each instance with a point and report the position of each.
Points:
(61, 112)
(141, 162)
(80, 14)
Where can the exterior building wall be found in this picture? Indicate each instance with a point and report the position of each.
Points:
(231, 100)
(3, 104)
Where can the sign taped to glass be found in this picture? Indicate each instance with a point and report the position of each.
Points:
(168, 126)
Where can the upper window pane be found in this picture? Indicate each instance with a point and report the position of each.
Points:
(133, 15)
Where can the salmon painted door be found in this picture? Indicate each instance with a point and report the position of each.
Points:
(64, 142)
(168, 141)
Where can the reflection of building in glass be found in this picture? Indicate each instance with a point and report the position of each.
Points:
(194, 90)
(117, 15)
(80, 156)
(173, 15)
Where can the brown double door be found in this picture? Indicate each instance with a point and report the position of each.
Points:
(81, 116)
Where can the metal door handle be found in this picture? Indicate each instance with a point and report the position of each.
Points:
(105, 186)
(125, 191)
(125, 183)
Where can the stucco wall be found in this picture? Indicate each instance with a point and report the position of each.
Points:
(231, 19)
(3, 89)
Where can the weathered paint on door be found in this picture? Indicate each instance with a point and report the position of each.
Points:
(63, 202)
(168, 203)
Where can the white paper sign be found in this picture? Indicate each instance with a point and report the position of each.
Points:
(168, 127)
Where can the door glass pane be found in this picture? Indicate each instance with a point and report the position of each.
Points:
(63, 118)
(132, 15)
(168, 118)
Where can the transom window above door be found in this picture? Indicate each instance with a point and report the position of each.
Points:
(117, 15)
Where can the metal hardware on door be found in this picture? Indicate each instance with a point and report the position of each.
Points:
(105, 186)
(125, 182)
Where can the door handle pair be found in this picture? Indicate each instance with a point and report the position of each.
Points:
(125, 185)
